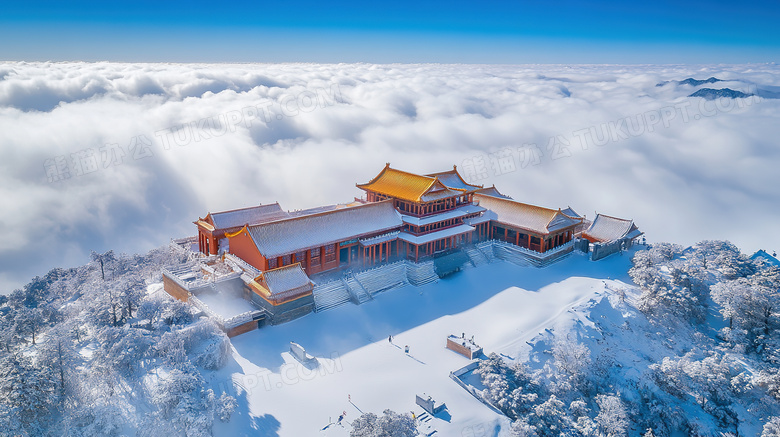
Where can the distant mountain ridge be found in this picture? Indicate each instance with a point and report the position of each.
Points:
(691, 81)
(712, 93)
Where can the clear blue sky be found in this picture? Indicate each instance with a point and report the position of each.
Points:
(398, 31)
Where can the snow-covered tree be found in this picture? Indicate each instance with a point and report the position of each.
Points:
(29, 322)
(513, 390)
(151, 309)
(104, 261)
(571, 358)
(122, 349)
(723, 257)
(177, 313)
(751, 305)
(27, 391)
(550, 418)
(389, 424)
(772, 427)
(521, 428)
(60, 355)
(612, 418)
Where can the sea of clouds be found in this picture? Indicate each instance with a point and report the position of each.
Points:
(99, 156)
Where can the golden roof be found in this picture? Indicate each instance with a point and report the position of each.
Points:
(533, 218)
(406, 186)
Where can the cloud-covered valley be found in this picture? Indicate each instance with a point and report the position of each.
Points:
(125, 156)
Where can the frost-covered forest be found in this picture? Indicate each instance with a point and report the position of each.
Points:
(90, 351)
(691, 350)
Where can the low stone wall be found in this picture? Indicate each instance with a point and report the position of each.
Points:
(603, 250)
(286, 311)
(173, 288)
(421, 273)
(525, 257)
(242, 329)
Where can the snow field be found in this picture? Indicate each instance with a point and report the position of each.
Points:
(502, 305)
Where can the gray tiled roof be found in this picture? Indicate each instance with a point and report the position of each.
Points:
(453, 213)
(436, 235)
(492, 191)
(605, 228)
(451, 179)
(286, 278)
(571, 213)
(300, 233)
(248, 216)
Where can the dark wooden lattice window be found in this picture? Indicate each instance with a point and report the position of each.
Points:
(330, 252)
(272, 263)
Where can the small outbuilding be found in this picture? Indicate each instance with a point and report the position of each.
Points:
(464, 346)
(284, 292)
(607, 229)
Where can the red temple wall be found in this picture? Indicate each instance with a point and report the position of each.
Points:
(243, 247)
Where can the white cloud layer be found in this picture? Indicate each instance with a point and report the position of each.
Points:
(685, 169)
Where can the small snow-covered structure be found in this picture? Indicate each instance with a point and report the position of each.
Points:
(300, 354)
(610, 235)
(766, 257)
(428, 404)
(492, 191)
(464, 346)
(606, 229)
(284, 292)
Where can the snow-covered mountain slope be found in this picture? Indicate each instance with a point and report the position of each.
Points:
(501, 305)
(574, 348)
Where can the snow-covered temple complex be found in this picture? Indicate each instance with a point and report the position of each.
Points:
(407, 228)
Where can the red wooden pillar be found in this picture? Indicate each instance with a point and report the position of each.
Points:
(506, 233)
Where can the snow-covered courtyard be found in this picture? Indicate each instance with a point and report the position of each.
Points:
(360, 370)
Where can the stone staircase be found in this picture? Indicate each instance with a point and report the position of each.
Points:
(330, 295)
(356, 290)
(383, 278)
(524, 257)
(476, 256)
(486, 248)
(421, 273)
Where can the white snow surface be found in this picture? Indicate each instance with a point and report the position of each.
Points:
(226, 305)
(501, 304)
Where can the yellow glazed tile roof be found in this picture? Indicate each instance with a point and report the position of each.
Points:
(403, 185)
(534, 218)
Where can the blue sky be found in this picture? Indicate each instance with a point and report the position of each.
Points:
(399, 31)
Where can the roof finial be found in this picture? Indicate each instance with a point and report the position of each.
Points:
(387, 165)
(454, 167)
